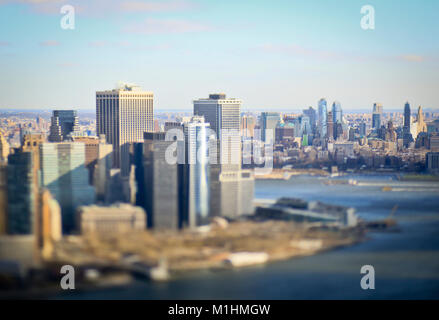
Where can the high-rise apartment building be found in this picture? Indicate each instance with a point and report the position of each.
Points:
(64, 124)
(63, 172)
(123, 115)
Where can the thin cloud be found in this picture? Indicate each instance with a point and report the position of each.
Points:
(50, 43)
(4, 44)
(303, 52)
(67, 64)
(97, 44)
(102, 7)
(156, 6)
(412, 58)
(165, 26)
(308, 53)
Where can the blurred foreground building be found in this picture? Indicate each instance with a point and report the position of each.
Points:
(64, 174)
(113, 219)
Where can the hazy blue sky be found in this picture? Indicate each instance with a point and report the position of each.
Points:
(272, 54)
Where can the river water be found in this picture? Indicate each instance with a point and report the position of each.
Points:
(406, 263)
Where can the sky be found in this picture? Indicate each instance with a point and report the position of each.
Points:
(274, 55)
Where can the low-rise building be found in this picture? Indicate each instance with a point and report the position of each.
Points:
(112, 219)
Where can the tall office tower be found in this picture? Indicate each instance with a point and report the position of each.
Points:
(311, 114)
(123, 115)
(338, 130)
(377, 108)
(377, 115)
(21, 194)
(352, 134)
(224, 116)
(330, 126)
(248, 123)
(98, 161)
(406, 129)
(31, 143)
(230, 188)
(363, 129)
(376, 120)
(64, 124)
(3, 199)
(194, 173)
(305, 125)
(323, 118)
(49, 216)
(161, 183)
(63, 172)
(236, 195)
(421, 125)
(268, 123)
(4, 149)
(407, 116)
(337, 114)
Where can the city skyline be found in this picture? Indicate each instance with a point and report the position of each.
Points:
(274, 56)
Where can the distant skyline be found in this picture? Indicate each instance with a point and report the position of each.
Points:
(274, 55)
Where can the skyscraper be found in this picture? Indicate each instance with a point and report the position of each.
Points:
(224, 116)
(311, 114)
(337, 114)
(406, 129)
(230, 188)
(377, 115)
(407, 116)
(123, 115)
(63, 172)
(98, 161)
(64, 123)
(269, 122)
(322, 118)
(421, 125)
(21, 194)
(330, 126)
(248, 126)
(363, 129)
(196, 172)
(161, 183)
(4, 149)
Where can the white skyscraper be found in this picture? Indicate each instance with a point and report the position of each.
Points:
(197, 170)
(230, 188)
